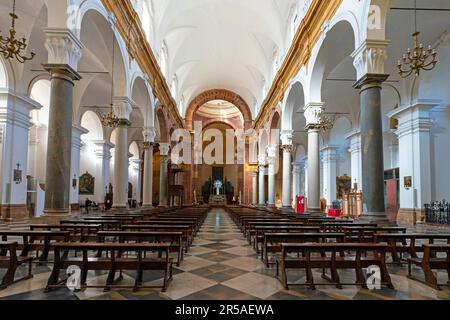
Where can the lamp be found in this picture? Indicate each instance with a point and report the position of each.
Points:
(10, 47)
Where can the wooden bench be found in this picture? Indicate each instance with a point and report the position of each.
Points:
(431, 261)
(188, 237)
(175, 239)
(259, 231)
(330, 258)
(106, 224)
(367, 234)
(37, 240)
(11, 262)
(273, 241)
(249, 229)
(113, 261)
(78, 232)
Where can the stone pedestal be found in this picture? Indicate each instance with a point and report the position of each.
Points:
(59, 148)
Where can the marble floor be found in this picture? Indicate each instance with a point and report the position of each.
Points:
(222, 266)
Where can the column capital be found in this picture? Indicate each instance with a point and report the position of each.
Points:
(136, 163)
(297, 167)
(262, 161)
(255, 174)
(63, 71)
(63, 47)
(164, 149)
(370, 57)
(103, 149)
(149, 134)
(77, 132)
(330, 153)
(313, 114)
(123, 106)
(370, 80)
(286, 137)
(271, 151)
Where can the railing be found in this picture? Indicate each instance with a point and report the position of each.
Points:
(438, 212)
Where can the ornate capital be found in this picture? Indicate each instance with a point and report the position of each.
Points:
(313, 114)
(272, 152)
(262, 162)
(286, 137)
(63, 47)
(149, 134)
(370, 57)
(164, 149)
(123, 106)
(287, 148)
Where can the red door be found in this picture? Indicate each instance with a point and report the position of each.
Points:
(392, 204)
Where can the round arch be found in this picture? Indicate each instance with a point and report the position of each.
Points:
(219, 94)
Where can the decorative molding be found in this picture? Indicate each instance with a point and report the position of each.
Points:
(130, 27)
(63, 47)
(370, 57)
(306, 37)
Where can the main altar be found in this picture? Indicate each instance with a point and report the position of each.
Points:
(217, 192)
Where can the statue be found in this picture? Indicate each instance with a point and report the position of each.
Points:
(218, 186)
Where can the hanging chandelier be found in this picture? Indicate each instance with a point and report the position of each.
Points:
(10, 47)
(325, 123)
(417, 59)
(110, 119)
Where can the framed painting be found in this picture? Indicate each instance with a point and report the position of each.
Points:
(87, 184)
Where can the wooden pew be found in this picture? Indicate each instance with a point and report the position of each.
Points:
(78, 232)
(431, 261)
(259, 232)
(273, 241)
(113, 261)
(367, 234)
(37, 240)
(106, 224)
(10, 261)
(330, 258)
(175, 239)
(249, 230)
(188, 236)
(191, 224)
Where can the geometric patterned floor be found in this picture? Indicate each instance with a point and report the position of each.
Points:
(222, 266)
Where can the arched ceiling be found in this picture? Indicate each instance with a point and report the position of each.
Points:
(219, 109)
(228, 44)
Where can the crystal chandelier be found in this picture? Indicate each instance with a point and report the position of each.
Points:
(11, 47)
(417, 59)
(110, 119)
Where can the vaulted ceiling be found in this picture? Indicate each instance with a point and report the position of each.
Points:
(224, 44)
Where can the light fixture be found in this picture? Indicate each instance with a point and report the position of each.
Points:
(417, 59)
(325, 123)
(10, 47)
(110, 119)
(18, 174)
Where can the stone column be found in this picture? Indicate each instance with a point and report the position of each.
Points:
(415, 140)
(297, 169)
(164, 149)
(122, 108)
(272, 157)
(313, 113)
(254, 188)
(305, 177)
(355, 157)
(369, 61)
(59, 147)
(102, 178)
(77, 132)
(136, 165)
(329, 173)
(262, 163)
(148, 175)
(64, 52)
(287, 172)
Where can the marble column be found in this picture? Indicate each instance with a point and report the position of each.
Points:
(305, 177)
(415, 156)
(77, 132)
(122, 108)
(297, 169)
(313, 114)
(372, 147)
(272, 157)
(59, 147)
(262, 163)
(287, 172)
(102, 178)
(164, 149)
(355, 157)
(329, 173)
(148, 175)
(254, 188)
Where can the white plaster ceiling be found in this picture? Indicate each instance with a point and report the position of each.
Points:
(224, 44)
(218, 109)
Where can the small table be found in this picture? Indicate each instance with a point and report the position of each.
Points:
(335, 213)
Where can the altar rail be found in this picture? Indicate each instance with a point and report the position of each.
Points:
(437, 212)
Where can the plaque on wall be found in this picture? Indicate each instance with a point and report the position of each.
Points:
(87, 184)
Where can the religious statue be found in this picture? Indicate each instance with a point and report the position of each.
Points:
(218, 186)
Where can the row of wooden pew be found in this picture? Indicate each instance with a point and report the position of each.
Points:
(308, 243)
(137, 241)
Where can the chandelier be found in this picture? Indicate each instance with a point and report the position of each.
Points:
(110, 119)
(325, 123)
(417, 59)
(11, 47)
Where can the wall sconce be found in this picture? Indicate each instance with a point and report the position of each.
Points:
(74, 181)
(18, 174)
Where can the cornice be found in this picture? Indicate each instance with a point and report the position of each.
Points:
(129, 26)
(305, 39)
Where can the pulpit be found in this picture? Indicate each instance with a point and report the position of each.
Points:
(352, 204)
